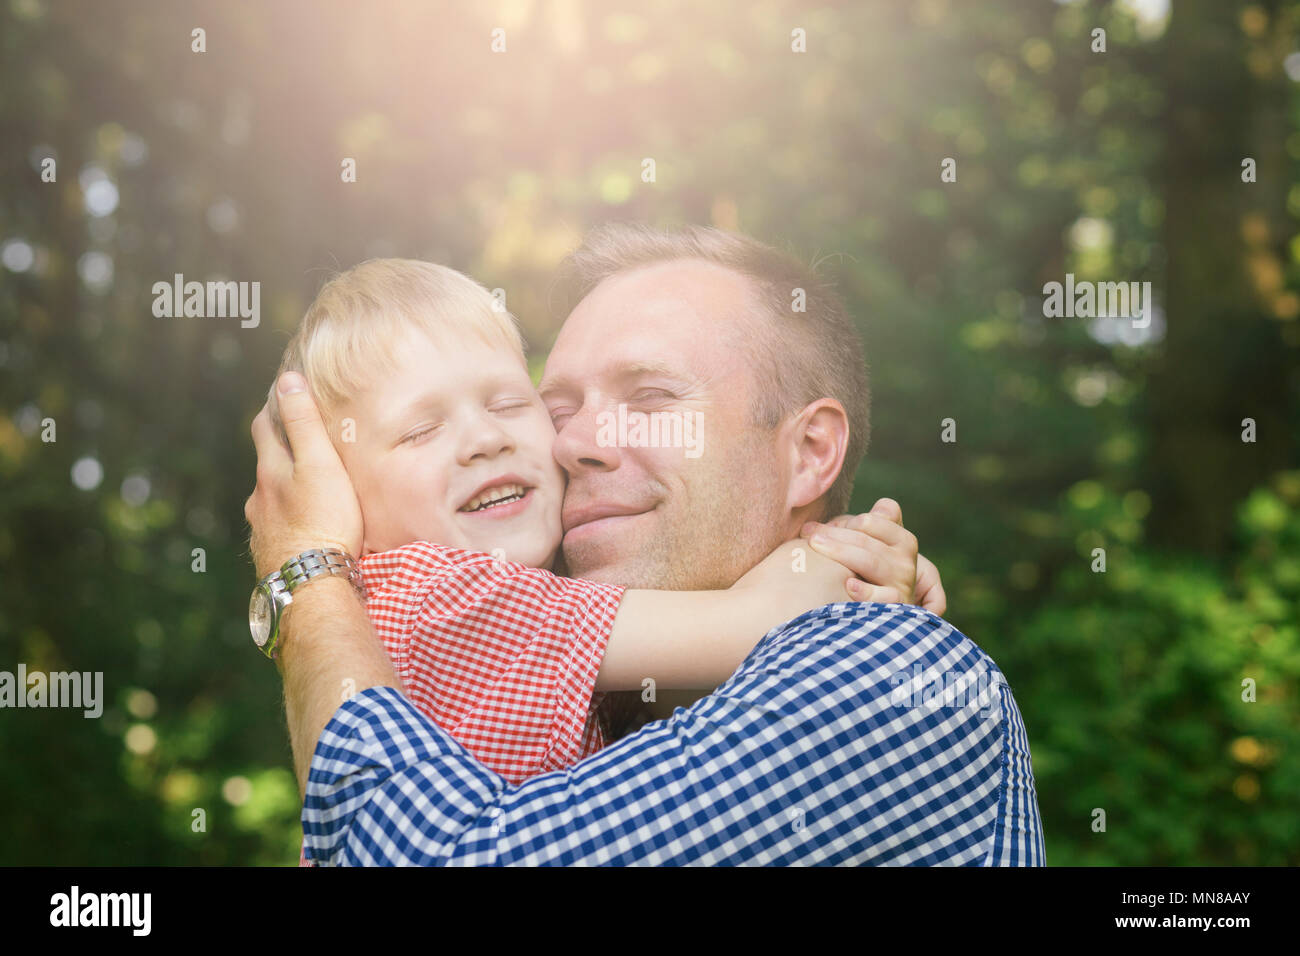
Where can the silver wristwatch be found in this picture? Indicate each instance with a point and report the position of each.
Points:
(274, 592)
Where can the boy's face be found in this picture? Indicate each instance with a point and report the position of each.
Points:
(454, 427)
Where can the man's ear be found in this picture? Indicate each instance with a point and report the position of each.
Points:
(818, 439)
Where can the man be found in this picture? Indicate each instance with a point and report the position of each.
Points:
(867, 733)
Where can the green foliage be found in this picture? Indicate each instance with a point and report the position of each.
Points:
(1165, 693)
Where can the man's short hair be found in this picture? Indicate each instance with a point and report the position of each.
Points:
(348, 335)
(797, 356)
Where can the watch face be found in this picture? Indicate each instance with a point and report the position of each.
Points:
(259, 617)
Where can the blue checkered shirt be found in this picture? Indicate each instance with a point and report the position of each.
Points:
(854, 734)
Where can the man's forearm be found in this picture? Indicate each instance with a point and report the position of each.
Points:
(329, 652)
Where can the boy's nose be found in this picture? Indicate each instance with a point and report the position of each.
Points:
(484, 438)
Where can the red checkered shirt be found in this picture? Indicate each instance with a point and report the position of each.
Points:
(500, 655)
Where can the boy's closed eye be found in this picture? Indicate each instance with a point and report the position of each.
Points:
(510, 404)
(503, 405)
(419, 434)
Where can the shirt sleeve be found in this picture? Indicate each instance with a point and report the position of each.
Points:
(821, 749)
(504, 656)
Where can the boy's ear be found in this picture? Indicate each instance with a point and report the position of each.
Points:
(817, 440)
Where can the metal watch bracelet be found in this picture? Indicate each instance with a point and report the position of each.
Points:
(311, 564)
(274, 593)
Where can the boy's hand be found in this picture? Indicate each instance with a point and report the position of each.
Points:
(929, 589)
(883, 554)
(304, 500)
(795, 578)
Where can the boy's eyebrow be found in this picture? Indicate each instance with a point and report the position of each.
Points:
(419, 403)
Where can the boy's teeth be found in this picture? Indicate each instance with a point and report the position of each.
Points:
(493, 495)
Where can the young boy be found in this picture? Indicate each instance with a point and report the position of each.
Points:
(423, 385)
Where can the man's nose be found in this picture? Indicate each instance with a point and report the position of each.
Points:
(578, 446)
(483, 437)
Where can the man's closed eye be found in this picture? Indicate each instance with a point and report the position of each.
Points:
(653, 396)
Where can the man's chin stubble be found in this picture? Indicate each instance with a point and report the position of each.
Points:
(662, 567)
(708, 545)
(641, 572)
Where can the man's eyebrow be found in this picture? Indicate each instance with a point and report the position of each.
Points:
(549, 385)
(637, 369)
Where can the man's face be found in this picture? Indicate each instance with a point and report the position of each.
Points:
(455, 426)
(664, 339)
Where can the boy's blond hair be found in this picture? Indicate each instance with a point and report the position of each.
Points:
(348, 335)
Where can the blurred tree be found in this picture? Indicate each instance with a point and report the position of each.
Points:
(1224, 359)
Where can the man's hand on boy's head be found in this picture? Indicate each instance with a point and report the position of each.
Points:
(302, 500)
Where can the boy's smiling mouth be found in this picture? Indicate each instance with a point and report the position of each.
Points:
(497, 496)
